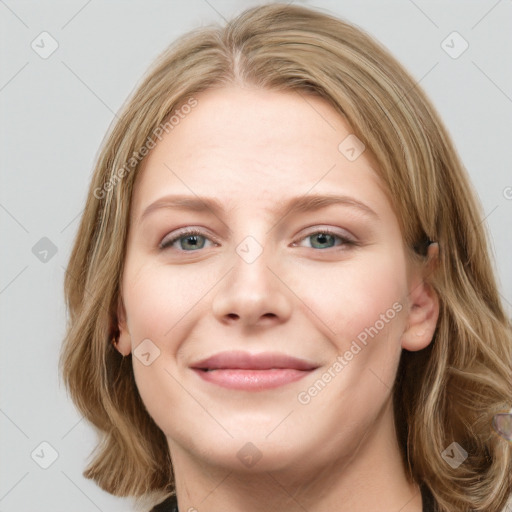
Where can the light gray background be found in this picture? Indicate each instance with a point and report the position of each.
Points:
(55, 112)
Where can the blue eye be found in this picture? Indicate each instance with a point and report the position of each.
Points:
(193, 238)
(326, 239)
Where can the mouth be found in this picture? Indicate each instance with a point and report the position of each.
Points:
(252, 372)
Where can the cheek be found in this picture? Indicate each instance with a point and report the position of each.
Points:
(366, 294)
(158, 299)
(366, 314)
(157, 302)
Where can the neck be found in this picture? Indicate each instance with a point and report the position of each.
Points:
(370, 477)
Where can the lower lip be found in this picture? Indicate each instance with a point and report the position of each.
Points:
(252, 380)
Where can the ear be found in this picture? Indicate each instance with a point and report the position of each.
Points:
(124, 344)
(424, 306)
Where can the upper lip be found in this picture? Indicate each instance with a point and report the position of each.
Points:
(247, 361)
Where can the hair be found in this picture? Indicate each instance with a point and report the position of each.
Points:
(446, 392)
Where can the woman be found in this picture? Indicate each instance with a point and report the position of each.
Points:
(280, 294)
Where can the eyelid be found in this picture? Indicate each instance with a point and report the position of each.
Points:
(344, 234)
(346, 238)
(183, 232)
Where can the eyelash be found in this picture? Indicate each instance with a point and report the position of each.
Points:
(345, 241)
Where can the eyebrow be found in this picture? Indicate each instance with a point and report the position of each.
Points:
(306, 203)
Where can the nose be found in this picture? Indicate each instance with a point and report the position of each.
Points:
(254, 293)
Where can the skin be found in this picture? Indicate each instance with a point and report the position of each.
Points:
(303, 296)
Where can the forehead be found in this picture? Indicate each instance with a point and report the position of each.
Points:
(248, 145)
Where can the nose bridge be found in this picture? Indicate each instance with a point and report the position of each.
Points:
(251, 263)
(252, 291)
(251, 277)
(254, 251)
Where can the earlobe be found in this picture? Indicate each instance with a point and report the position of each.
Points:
(123, 342)
(424, 310)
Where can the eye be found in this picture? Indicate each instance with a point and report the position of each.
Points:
(326, 239)
(190, 239)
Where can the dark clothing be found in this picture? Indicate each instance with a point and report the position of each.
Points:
(170, 505)
(428, 501)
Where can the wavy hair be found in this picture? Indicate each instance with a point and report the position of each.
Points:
(447, 392)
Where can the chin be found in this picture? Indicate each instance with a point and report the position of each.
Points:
(252, 457)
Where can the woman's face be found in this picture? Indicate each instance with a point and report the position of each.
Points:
(276, 272)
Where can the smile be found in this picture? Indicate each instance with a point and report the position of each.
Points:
(252, 372)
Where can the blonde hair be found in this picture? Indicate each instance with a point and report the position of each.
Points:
(444, 393)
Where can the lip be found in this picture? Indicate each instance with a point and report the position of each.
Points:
(252, 372)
